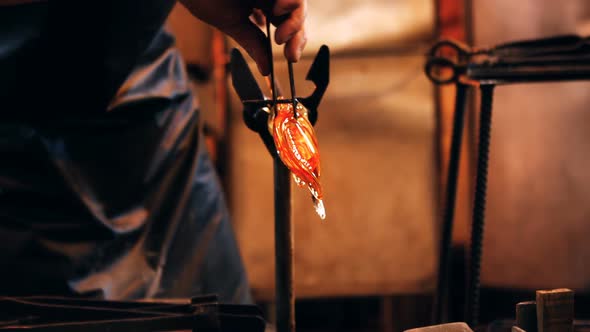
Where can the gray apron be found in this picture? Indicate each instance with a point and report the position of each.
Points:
(106, 186)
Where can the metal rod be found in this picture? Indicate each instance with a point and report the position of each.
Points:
(271, 63)
(292, 85)
(284, 239)
(444, 262)
(479, 205)
(510, 74)
(284, 246)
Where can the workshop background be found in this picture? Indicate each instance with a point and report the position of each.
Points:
(384, 134)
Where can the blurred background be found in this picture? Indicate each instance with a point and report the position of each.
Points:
(384, 133)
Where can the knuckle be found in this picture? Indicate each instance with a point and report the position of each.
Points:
(286, 6)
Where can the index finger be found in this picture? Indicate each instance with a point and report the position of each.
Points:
(283, 7)
(292, 25)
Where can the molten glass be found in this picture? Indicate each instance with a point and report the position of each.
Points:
(297, 147)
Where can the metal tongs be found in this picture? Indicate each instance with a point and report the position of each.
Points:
(560, 58)
(257, 105)
(72, 314)
(556, 58)
(256, 112)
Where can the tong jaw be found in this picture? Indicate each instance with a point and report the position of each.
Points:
(248, 90)
(256, 105)
(254, 113)
(251, 95)
(319, 74)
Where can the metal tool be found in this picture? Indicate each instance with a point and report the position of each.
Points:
(560, 58)
(549, 59)
(255, 114)
(63, 314)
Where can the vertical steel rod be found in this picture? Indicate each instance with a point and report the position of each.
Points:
(284, 240)
(479, 205)
(292, 86)
(444, 262)
(271, 63)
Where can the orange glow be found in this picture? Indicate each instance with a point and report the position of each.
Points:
(297, 147)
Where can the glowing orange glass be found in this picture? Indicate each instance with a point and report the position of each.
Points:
(297, 147)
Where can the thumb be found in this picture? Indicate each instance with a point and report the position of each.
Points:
(253, 40)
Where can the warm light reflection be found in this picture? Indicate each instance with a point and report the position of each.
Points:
(297, 147)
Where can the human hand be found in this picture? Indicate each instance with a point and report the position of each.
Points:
(233, 17)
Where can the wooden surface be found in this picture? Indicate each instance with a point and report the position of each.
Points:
(526, 316)
(555, 310)
(376, 136)
(449, 327)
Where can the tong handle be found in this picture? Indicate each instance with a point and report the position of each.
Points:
(544, 46)
(441, 70)
(529, 50)
(273, 85)
(445, 59)
(449, 48)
